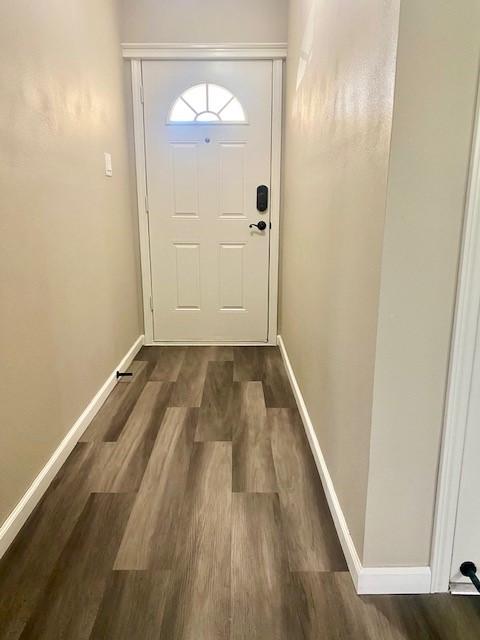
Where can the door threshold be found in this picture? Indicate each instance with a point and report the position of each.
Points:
(208, 343)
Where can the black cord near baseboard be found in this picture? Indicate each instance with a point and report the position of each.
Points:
(469, 570)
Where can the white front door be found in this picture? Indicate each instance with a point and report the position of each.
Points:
(208, 139)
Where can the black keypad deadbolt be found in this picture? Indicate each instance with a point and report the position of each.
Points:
(262, 198)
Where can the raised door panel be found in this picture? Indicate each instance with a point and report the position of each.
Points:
(232, 157)
(187, 281)
(231, 277)
(185, 179)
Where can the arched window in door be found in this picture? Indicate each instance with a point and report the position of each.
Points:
(207, 102)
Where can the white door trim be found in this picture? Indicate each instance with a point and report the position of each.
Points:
(142, 197)
(460, 377)
(198, 51)
(275, 198)
(140, 166)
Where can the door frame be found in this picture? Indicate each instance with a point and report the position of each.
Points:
(462, 358)
(275, 52)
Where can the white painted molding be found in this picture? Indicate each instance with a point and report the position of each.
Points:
(32, 497)
(275, 198)
(463, 589)
(394, 580)
(381, 580)
(460, 378)
(141, 176)
(204, 51)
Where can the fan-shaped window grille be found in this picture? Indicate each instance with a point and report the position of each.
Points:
(207, 103)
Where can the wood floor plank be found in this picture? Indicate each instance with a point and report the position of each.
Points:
(168, 364)
(214, 423)
(132, 606)
(153, 355)
(312, 541)
(276, 386)
(72, 597)
(110, 420)
(424, 617)
(248, 363)
(328, 607)
(188, 389)
(220, 354)
(149, 354)
(261, 590)
(124, 468)
(135, 368)
(28, 564)
(198, 603)
(253, 468)
(149, 539)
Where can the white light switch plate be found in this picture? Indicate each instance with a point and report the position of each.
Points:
(108, 165)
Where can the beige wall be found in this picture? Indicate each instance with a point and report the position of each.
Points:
(436, 84)
(369, 265)
(338, 122)
(68, 295)
(204, 20)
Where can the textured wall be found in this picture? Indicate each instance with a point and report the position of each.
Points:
(68, 274)
(437, 71)
(340, 70)
(204, 20)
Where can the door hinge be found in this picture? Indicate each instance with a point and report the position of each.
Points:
(142, 95)
(151, 304)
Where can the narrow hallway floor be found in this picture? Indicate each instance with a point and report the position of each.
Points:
(192, 509)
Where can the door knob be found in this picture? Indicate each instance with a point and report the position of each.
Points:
(261, 226)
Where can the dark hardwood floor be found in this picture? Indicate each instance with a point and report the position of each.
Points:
(192, 509)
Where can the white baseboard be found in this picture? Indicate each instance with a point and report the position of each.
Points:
(381, 580)
(463, 589)
(29, 501)
(394, 580)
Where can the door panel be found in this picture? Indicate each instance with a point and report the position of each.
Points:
(232, 182)
(231, 269)
(185, 179)
(210, 271)
(187, 283)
